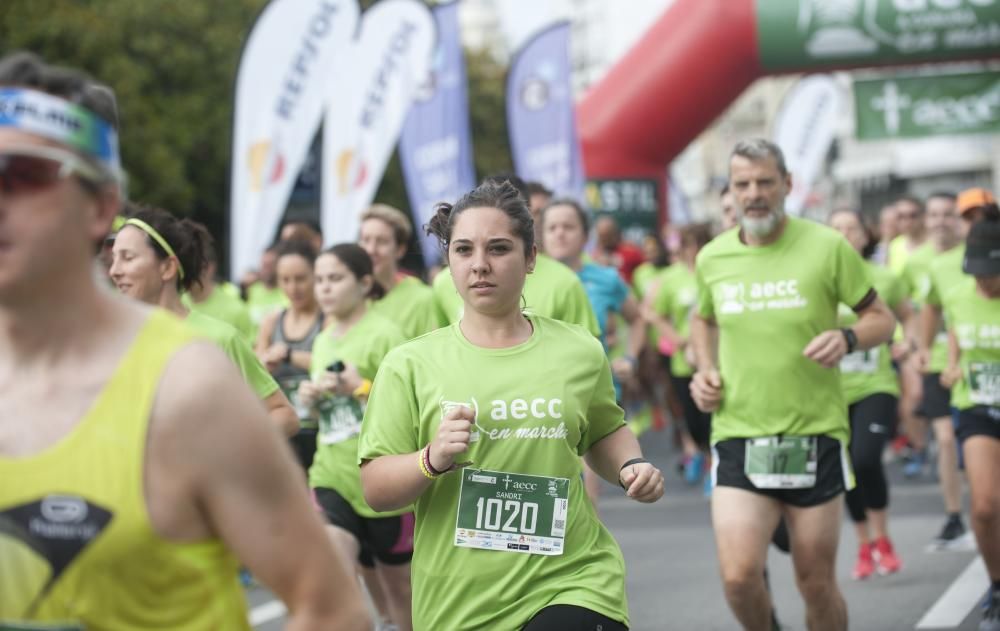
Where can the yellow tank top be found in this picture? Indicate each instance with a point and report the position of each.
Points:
(77, 549)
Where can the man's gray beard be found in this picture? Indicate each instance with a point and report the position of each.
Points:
(764, 226)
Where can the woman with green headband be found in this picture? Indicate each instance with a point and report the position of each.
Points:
(156, 257)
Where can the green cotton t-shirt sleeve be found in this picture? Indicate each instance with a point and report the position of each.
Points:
(705, 306)
(853, 280)
(604, 416)
(391, 417)
(663, 300)
(932, 297)
(427, 315)
(446, 296)
(895, 292)
(254, 372)
(577, 310)
(244, 324)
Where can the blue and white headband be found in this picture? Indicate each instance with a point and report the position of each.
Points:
(61, 121)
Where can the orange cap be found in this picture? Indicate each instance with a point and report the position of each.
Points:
(974, 198)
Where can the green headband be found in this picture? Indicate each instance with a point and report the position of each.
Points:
(156, 236)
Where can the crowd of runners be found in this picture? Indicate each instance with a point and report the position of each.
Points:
(385, 450)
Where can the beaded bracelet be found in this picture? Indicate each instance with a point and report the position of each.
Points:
(423, 466)
(430, 467)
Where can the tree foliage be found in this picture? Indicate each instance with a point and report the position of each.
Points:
(173, 67)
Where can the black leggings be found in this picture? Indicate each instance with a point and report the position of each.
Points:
(699, 424)
(872, 422)
(571, 618)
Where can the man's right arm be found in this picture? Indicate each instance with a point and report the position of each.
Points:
(706, 384)
(213, 436)
(704, 341)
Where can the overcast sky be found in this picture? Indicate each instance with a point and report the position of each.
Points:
(622, 24)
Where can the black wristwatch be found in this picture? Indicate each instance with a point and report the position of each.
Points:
(851, 338)
(288, 356)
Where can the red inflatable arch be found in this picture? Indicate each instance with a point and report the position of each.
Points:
(701, 54)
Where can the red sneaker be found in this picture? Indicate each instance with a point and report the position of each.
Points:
(659, 421)
(865, 565)
(888, 562)
(898, 445)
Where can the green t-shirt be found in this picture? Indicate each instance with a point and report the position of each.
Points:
(675, 300)
(262, 300)
(899, 254)
(769, 303)
(915, 274)
(927, 274)
(232, 343)
(411, 306)
(945, 274)
(539, 406)
(976, 323)
(643, 276)
(552, 290)
(864, 373)
(222, 305)
(336, 463)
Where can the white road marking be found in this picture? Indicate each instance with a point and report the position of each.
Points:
(267, 612)
(959, 599)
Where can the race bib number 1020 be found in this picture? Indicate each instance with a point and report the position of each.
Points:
(511, 512)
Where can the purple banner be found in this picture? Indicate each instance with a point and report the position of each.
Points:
(435, 148)
(540, 113)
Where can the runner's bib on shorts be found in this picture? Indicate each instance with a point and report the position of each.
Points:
(861, 361)
(781, 462)
(339, 419)
(512, 512)
(984, 383)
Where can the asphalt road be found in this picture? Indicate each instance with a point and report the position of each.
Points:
(673, 579)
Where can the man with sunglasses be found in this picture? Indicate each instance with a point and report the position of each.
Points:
(135, 466)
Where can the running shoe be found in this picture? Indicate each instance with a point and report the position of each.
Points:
(865, 565)
(991, 616)
(693, 468)
(246, 578)
(682, 464)
(885, 556)
(899, 445)
(952, 535)
(914, 467)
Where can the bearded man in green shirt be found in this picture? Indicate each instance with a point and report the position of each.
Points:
(767, 346)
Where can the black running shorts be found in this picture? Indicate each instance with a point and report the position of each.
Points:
(936, 402)
(387, 539)
(833, 475)
(980, 420)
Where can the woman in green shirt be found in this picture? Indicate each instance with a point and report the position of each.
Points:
(480, 426)
(670, 312)
(384, 235)
(973, 315)
(871, 389)
(157, 257)
(345, 358)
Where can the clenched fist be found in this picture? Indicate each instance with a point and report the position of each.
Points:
(452, 437)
